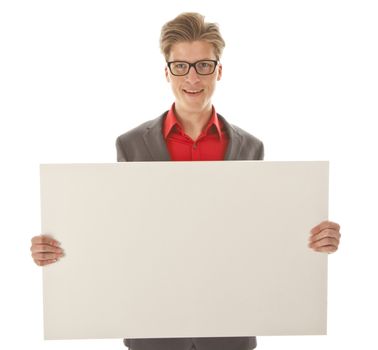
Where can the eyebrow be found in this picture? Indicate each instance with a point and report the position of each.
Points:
(201, 59)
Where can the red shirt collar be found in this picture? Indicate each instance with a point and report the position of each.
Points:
(171, 121)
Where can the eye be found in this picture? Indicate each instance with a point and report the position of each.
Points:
(180, 65)
(204, 64)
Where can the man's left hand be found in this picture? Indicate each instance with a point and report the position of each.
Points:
(325, 237)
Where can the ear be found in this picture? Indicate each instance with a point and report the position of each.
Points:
(167, 75)
(220, 67)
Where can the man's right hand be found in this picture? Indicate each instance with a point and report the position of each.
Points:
(45, 250)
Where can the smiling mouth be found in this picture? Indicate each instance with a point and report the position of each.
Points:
(193, 92)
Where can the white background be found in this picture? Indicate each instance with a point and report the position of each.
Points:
(300, 75)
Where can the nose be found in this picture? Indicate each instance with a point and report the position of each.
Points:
(192, 76)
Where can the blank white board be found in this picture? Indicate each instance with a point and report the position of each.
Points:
(184, 249)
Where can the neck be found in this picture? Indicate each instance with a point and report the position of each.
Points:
(193, 122)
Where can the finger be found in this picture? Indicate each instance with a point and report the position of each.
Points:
(324, 243)
(44, 239)
(41, 248)
(45, 262)
(326, 249)
(325, 225)
(324, 234)
(46, 256)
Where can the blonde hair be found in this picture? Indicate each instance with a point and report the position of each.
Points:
(188, 27)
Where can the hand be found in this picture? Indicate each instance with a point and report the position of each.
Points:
(45, 250)
(325, 237)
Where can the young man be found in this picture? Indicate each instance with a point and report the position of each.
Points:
(190, 130)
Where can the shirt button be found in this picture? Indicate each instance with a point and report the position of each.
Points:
(194, 145)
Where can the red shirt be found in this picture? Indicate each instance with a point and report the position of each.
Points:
(211, 144)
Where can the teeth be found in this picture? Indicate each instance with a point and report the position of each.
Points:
(193, 91)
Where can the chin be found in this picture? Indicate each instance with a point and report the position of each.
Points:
(195, 107)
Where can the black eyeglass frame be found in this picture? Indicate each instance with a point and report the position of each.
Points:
(192, 65)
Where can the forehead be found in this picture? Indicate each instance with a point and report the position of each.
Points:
(191, 51)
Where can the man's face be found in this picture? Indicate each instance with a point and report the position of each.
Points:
(193, 92)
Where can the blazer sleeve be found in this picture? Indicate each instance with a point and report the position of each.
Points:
(121, 154)
(260, 154)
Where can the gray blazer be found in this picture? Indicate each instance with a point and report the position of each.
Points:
(146, 143)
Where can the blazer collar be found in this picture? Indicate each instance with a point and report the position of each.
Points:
(154, 140)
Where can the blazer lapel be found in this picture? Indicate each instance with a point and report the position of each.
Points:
(234, 143)
(154, 140)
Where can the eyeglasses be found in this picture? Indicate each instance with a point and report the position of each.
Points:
(203, 67)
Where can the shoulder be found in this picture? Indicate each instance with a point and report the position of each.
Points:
(244, 146)
(237, 132)
(137, 144)
(251, 148)
(244, 135)
(141, 129)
